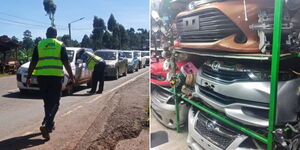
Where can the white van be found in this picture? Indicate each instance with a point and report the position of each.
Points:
(80, 70)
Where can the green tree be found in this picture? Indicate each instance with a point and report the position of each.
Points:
(123, 37)
(86, 41)
(36, 40)
(107, 40)
(27, 44)
(66, 40)
(111, 23)
(115, 38)
(97, 34)
(50, 8)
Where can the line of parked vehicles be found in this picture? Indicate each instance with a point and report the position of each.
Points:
(118, 63)
(236, 88)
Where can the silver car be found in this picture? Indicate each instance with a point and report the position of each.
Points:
(206, 133)
(242, 92)
(163, 107)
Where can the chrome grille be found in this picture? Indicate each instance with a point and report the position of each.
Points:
(207, 25)
(224, 74)
(220, 135)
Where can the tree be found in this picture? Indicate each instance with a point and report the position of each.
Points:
(111, 23)
(66, 40)
(27, 44)
(115, 37)
(50, 8)
(14, 39)
(107, 40)
(123, 37)
(97, 34)
(36, 40)
(86, 41)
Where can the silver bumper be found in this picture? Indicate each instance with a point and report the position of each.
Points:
(163, 110)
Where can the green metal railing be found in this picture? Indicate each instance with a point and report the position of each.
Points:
(275, 58)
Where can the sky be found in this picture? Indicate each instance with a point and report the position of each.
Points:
(16, 16)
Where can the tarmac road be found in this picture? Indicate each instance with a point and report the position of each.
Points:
(21, 115)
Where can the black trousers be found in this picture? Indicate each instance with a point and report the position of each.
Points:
(50, 89)
(98, 76)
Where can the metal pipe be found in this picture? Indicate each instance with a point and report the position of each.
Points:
(274, 70)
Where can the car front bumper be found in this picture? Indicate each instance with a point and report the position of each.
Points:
(247, 102)
(165, 112)
(110, 71)
(206, 133)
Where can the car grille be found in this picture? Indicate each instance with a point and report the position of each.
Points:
(220, 135)
(213, 26)
(224, 75)
(157, 77)
(226, 99)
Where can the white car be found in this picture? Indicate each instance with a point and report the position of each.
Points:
(142, 60)
(145, 54)
(79, 68)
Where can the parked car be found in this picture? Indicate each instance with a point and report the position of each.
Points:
(133, 62)
(205, 132)
(147, 56)
(214, 25)
(162, 102)
(159, 74)
(79, 68)
(163, 107)
(242, 91)
(116, 62)
(142, 60)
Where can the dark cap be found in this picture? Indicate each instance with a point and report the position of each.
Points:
(51, 32)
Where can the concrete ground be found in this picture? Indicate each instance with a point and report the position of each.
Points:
(177, 141)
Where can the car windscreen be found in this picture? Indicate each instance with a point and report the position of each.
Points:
(137, 54)
(107, 55)
(128, 54)
(145, 54)
(70, 54)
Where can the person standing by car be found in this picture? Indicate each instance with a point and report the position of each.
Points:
(97, 64)
(48, 59)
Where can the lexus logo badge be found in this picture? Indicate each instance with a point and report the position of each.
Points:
(215, 65)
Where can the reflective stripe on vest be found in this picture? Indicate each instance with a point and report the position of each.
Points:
(49, 63)
(92, 60)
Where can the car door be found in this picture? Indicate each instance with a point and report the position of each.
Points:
(121, 62)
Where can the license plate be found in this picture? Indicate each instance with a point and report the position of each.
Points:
(191, 23)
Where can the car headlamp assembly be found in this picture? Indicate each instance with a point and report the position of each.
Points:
(266, 75)
(22, 70)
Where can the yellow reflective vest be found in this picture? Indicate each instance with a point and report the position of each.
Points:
(92, 60)
(49, 63)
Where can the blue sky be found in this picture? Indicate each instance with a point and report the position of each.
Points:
(14, 13)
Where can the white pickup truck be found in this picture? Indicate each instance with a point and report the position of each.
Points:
(79, 68)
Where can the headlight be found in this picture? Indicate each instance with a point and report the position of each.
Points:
(266, 76)
(22, 70)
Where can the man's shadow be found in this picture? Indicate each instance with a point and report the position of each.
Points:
(21, 142)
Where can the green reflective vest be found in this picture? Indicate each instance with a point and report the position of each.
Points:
(49, 64)
(92, 60)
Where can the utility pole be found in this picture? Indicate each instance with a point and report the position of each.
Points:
(69, 25)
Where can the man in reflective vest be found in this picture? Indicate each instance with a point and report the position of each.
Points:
(48, 59)
(97, 64)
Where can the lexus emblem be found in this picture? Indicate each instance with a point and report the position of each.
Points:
(210, 126)
(215, 65)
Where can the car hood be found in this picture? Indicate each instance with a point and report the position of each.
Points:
(110, 62)
(26, 65)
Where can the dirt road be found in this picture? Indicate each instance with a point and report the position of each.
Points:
(112, 120)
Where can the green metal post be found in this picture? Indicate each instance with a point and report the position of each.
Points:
(274, 70)
(177, 109)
